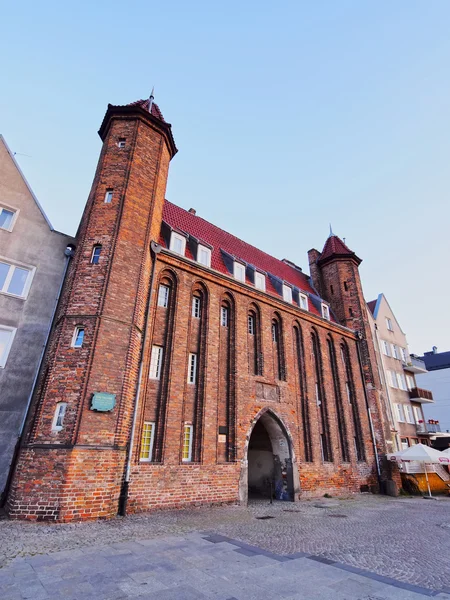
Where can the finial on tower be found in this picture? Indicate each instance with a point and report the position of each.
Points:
(150, 100)
(331, 231)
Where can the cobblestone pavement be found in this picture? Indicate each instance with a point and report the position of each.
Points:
(406, 539)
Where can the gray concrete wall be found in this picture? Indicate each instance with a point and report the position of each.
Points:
(437, 382)
(33, 243)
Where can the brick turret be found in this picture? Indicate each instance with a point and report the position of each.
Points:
(335, 275)
(75, 470)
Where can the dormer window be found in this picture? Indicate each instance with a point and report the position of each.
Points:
(204, 255)
(325, 312)
(177, 243)
(239, 271)
(303, 301)
(287, 293)
(260, 281)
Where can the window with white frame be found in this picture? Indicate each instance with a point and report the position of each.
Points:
(192, 368)
(15, 280)
(251, 324)
(260, 281)
(392, 379)
(78, 337)
(325, 312)
(317, 394)
(109, 196)
(417, 414)
(224, 316)
(410, 383)
(121, 143)
(395, 352)
(401, 381)
(287, 293)
(7, 218)
(239, 271)
(186, 455)
(349, 396)
(404, 443)
(156, 362)
(96, 251)
(385, 348)
(400, 413)
(58, 419)
(389, 324)
(177, 243)
(409, 413)
(204, 255)
(303, 298)
(196, 307)
(6, 339)
(163, 296)
(148, 434)
(404, 355)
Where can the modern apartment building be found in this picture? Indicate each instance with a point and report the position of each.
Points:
(398, 370)
(33, 260)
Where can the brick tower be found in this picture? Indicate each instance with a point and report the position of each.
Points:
(335, 275)
(71, 463)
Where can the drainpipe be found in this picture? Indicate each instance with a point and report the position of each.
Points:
(68, 252)
(372, 432)
(155, 249)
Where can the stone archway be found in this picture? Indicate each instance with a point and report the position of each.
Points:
(269, 466)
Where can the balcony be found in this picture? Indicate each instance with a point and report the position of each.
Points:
(416, 365)
(419, 395)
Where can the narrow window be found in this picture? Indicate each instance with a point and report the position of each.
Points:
(78, 337)
(224, 316)
(395, 352)
(251, 324)
(163, 296)
(331, 290)
(350, 312)
(156, 362)
(95, 258)
(121, 142)
(6, 219)
(409, 413)
(6, 339)
(389, 324)
(108, 196)
(278, 350)
(58, 419)
(303, 301)
(349, 396)
(386, 348)
(148, 433)
(410, 383)
(401, 382)
(418, 417)
(300, 355)
(400, 413)
(177, 243)
(260, 281)
(325, 312)
(239, 271)
(275, 332)
(192, 369)
(404, 357)
(196, 307)
(345, 286)
(204, 256)
(287, 293)
(187, 444)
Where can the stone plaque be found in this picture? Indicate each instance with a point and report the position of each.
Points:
(103, 402)
(265, 391)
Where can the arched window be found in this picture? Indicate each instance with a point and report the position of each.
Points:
(342, 429)
(300, 358)
(321, 401)
(351, 396)
(227, 380)
(254, 341)
(278, 348)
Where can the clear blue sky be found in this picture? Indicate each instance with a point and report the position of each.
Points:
(287, 116)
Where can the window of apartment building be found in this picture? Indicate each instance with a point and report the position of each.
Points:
(404, 443)
(303, 299)
(96, 251)
(385, 347)
(204, 255)
(325, 312)
(409, 413)
(260, 281)
(109, 196)
(389, 324)
(392, 379)
(239, 271)
(163, 296)
(395, 352)
(413, 441)
(417, 414)
(7, 218)
(196, 307)
(186, 455)
(156, 362)
(400, 413)
(287, 293)
(78, 337)
(224, 316)
(410, 383)
(192, 368)
(401, 381)
(58, 419)
(404, 355)
(6, 339)
(251, 324)
(148, 434)
(177, 243)
(15, 280)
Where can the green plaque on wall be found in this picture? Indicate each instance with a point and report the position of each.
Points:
(103, 402)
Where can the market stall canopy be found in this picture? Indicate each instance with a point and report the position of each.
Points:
(421, 453)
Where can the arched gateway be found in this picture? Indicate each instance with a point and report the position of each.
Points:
(269, 466)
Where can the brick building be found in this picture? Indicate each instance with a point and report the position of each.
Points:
(186, 366)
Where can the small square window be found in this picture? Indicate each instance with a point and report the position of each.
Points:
(260, 281)
(303, 301)
(95, 258)
(163, 296)
(187, 444)
(177, 243)
(148, 434)
(239, 271)
(196, 307)
(78, 337)
(287, 293)
(58, 419)
(108, 196)
(121, 143)
(204, 256)
(325, 312)
(6, 218)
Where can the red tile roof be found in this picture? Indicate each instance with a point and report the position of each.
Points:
(181, 219)
(334, 245)
(156, 112)
(372, 305)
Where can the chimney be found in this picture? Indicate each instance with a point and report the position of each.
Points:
(434, 349)
(192, 211)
